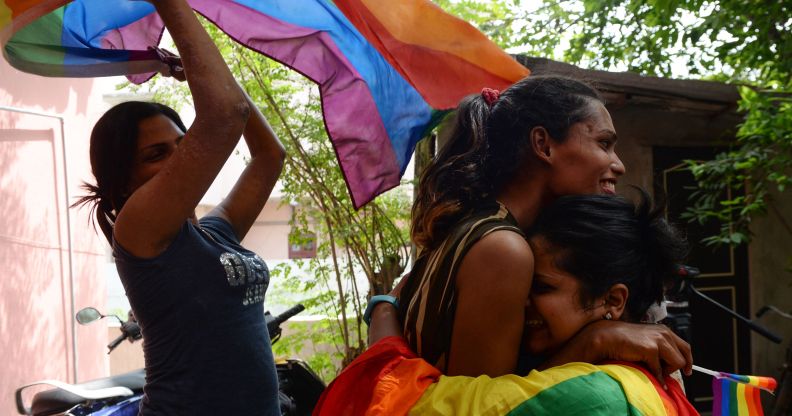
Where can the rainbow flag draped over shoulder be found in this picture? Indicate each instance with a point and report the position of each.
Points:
(389, 379)
(387, 70)
(738, 395)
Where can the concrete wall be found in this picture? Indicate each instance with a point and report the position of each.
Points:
(49, 255)
(127, 356)
(269, 236)
(634, 153)
(769, 255)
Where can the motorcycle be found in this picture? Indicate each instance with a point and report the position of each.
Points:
(299, 387)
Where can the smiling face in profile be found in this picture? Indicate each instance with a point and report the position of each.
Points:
(555, 311)
(585, 162)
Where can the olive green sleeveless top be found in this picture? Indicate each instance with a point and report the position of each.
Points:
(428, 299)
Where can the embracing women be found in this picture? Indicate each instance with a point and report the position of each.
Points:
(525, 252)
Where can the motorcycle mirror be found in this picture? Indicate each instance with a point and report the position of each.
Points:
(87, 315)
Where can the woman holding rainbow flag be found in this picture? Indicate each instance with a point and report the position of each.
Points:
(196, 292)
(598, 258)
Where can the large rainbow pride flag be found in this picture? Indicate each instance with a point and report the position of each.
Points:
(388, 379)
(386, 70)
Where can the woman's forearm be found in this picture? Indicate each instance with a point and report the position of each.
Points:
(261, 140)
(384, 323)
(662, 351)
(244, 203)
(214, 90)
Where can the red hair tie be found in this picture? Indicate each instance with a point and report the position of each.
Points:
(490, 96)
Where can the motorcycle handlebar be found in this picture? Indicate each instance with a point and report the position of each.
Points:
(132, 330)
(294, 310)
(112, 345)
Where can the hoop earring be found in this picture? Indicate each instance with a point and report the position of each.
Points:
(608, 316)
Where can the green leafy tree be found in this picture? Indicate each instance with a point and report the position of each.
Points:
(498, 19)
(748, 43)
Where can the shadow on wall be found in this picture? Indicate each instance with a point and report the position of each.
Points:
(27, 91)
(31, 314)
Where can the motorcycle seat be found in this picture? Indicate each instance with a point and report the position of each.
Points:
(66, 396)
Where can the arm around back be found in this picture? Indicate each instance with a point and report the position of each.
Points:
(662, 351)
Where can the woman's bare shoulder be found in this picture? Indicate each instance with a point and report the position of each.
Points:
(503, 244)
(501, 255)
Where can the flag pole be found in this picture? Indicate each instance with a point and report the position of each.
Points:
(707, 371)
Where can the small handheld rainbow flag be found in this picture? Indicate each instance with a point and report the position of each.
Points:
(734, 394)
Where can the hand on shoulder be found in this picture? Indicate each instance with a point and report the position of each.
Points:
(656, 346)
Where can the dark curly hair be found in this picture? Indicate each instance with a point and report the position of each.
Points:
(113, 146)
(487, 145)
(603, 240)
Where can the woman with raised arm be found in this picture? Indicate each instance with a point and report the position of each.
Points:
(195, 291)
(509, 155)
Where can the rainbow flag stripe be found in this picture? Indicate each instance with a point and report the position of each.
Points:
(387, 70)
(419, 55)
(52, 38)
(738, 395)
(390, 379)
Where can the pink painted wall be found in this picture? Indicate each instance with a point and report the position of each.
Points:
(36, 265)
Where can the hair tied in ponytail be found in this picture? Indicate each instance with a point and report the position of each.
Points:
(490, 96)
